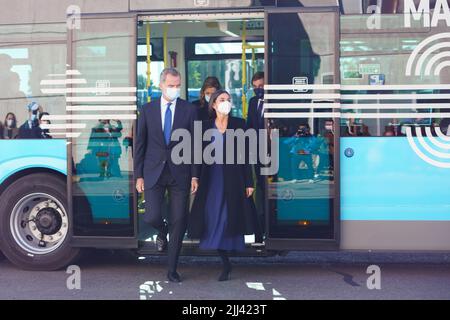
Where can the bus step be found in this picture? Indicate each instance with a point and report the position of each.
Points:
(192, 249)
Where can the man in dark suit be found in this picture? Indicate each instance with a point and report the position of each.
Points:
(153, 164)
(255, 120)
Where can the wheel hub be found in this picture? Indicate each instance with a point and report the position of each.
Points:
(39, 223)
(48, 221)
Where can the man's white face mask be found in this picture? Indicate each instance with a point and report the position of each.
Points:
(173, 93)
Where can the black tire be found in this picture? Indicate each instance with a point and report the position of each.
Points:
(34, 183)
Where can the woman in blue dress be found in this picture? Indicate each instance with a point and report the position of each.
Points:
(223, 210)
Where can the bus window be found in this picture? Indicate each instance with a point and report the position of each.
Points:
(379, 98)
(27, 69)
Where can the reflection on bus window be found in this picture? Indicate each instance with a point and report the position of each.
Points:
(379, 60)
(105, 148)
(26, 69)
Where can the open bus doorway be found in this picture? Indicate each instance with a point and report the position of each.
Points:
(199, 46)
(300, 59)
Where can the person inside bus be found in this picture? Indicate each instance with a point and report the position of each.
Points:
(302, 146)
(10, 130)
(326, 148)
(223, 210)
(255, 120)
(210, 85)
(30, 129)
(45, 132)
(355, 128)
(155, 170)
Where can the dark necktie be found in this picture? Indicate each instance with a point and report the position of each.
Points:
(168, 124)
(260, 113)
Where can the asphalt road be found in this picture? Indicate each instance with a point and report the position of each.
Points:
(118, 275)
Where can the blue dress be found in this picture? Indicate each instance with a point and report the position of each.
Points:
(216, 212)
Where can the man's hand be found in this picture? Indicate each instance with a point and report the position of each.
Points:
(140, 185)
(194, 185)
(249, 192)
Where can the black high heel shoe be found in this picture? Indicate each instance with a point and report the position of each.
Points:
(225, 275)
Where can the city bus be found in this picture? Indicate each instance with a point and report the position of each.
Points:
(357, 92)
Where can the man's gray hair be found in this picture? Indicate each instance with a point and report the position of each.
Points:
(172, 71)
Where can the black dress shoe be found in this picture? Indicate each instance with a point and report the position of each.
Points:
(173, 277)
(161, 243)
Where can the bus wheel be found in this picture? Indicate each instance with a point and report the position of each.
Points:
(34, 225)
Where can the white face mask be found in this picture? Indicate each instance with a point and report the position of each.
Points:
(207, 98)
(173, 93)
(329, 128)
(224, 107)
(9, 122)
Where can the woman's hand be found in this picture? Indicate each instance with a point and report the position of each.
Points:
(194, 185)
(140, 185)
(249, 192)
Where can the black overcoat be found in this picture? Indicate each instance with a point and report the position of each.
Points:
(241, 217)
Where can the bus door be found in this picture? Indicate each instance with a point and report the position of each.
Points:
(301, 105)
(100, 117)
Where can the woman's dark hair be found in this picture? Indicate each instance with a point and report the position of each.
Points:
(15, 119)
(210, 82)
(214, 97)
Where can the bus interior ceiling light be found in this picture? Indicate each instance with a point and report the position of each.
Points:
(202, 17)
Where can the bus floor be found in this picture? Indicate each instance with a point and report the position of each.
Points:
(191, 248)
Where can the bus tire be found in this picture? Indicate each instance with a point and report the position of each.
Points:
(34, 225)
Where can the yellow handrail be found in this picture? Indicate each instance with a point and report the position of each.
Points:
(166, 58)
(244, 69)
(246, 46)
(253, 46)
(253, 59)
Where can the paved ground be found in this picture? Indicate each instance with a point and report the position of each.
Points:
(116, 275)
